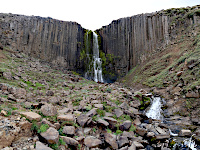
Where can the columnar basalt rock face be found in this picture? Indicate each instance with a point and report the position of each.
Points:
(132, 40)
(54, 41)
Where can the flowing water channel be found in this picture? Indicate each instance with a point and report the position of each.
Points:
(155, 112)
(94, 70)
(97, 64)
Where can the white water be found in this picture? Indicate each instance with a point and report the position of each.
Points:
(96, 60)
(190, 143)
(155, 110)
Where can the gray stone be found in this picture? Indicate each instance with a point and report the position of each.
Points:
(123, 141)
(82, 120)
(111, 139)
(92, 112)
(118, 112)
(68, 117)
(69, 130)
(51, 135)
(92, 142)
(125, 125)
(184, 132)
(70, 141)
(48, 110)
(102, 122)
(31, 116)
(41, 146)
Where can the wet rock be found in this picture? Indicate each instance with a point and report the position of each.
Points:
(31, 116)
(48, 110)
(68, 117)
(51, 135)
(41, 146)
(82, 120)
(92, 142)
(111, 139)
(184, 132)
(70, 141)
(122, 141)
(69, 130)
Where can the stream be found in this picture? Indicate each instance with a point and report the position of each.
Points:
(155, 112)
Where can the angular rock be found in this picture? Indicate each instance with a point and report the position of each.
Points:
(31, 116)
(70, 141)
(118, 112)
(51, 135)
(49, 93)
(45, 121)
(137, 121)
(111, 139)
(123, 141)
(102, 122)
(82, 120)
(20, 93)
(54, 100)
(111, 121)
(92, 142)
(140, 131)
(192, 94)
(41, 146)
(48, 110)
(99, 106)
(69, 130)
(162, 136)
(184, 132)
(92, 112)
(125, 125)
(68, 117)
(138, 145)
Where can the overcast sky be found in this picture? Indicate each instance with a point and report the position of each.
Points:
(91, 14)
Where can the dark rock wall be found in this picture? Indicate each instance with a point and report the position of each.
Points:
(134, 39)
(54, 41)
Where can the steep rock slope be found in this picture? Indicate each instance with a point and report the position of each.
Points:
(134, 39)
(54, 41)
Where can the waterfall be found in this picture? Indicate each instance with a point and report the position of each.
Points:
(96, 60)
(155, 110)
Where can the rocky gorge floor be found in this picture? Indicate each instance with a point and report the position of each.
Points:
(43, 108)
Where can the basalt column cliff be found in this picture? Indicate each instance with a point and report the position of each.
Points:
(53, 41)
(134, 39)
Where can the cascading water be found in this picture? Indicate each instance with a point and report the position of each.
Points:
(97, 64)
(155, 110)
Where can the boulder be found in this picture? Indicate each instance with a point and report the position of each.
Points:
(184, 132)
(69, 130)
(51, 135)
(111, 139)
(31, 116)
(48, 110)
(70, 141)
(68, 117)
(122, 141)
(41, 146)
(125, 125)
(140, 131)
(102, 122)
(82, 120)
(92, 112)
(92, 142)
(118, 112)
